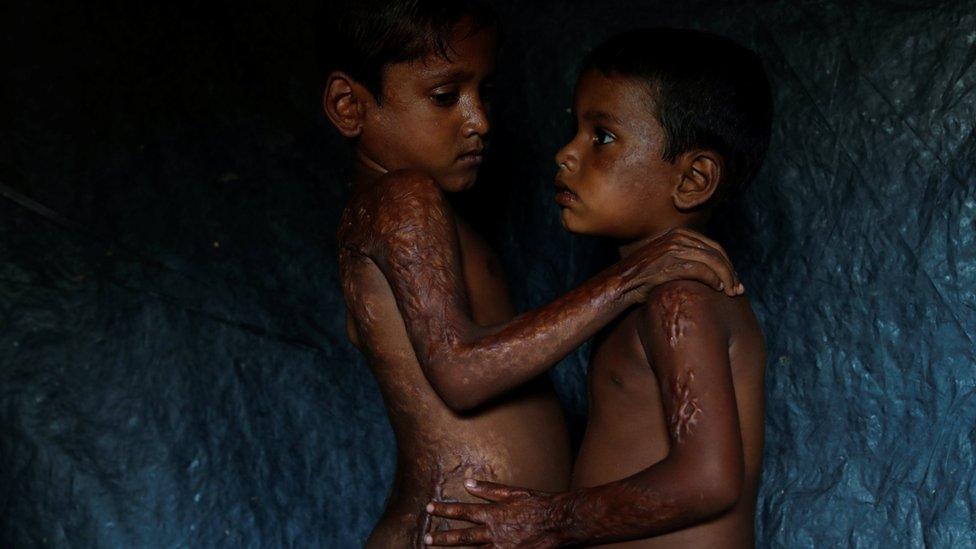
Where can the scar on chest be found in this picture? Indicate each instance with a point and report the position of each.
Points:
(686, 411)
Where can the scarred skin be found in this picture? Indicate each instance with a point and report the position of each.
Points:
(672, 452)
(404, 227)
(459, 372)
(406, 285)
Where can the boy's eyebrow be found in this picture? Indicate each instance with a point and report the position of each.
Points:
(601, 116)
(452, 75)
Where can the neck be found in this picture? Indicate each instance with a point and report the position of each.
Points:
(630, 246)
(366, 169)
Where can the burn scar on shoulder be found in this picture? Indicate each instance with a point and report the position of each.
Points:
(674, 315)
(686, 411)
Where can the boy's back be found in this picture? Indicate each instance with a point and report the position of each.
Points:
(636, 409)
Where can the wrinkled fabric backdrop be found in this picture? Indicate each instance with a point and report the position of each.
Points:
(173, 364)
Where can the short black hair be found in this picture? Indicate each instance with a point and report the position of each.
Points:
(362, 37)
(707, 92)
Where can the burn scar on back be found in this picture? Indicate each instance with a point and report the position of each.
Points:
(685, 409)
(675, 319)
(444, 480)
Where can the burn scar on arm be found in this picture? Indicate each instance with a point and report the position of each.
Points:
(686, 412)
(682, 327)
(675, 319)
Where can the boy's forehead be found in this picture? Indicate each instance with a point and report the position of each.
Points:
(468, 54)
(612, 97)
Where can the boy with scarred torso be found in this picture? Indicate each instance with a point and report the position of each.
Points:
(670, 122)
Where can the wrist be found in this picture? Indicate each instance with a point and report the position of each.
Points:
(625, 281)
(565, 523)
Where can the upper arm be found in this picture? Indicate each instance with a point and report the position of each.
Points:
(686, 339)
(408, 230)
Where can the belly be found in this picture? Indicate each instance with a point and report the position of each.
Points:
(521, 440)
(619, 442)
(626, 430)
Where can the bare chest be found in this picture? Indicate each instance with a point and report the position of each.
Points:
(626, 430)
(620, 375)
(484, 284)
(488, 294)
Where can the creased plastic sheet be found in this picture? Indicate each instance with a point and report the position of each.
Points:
(173, 362)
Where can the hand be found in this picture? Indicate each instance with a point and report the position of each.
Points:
(515, 517)
(682, 254)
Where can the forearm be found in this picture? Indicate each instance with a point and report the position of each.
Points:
(405, 227)
(658, 500)
(487, 362)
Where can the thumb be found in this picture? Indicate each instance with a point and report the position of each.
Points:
(490, 490)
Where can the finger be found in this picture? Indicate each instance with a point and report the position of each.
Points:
(704, 242)
(492, 491)
(471, 512)
(467, 536)
(696, 270)
(728, 282)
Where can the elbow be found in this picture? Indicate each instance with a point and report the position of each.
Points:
(712, 483)
(460, 395)
(458, 400)
(720, 490)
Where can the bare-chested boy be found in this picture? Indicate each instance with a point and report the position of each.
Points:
(426, 303)
(670, 122)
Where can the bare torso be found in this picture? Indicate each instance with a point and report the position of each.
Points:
(519, 439)
(627, 431)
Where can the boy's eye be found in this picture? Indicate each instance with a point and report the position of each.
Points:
(603, 137)
(445, 99)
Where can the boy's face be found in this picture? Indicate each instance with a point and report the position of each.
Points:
(612, 180)
(433, 114)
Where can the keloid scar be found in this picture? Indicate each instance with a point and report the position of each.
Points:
(675, 319)
(466, 468)
(686, 411)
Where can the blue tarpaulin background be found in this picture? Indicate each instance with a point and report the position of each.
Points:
(173, 365)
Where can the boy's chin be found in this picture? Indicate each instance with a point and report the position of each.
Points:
(455, 183)
(571, 224)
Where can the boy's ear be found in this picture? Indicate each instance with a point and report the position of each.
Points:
(700, 172)
(344, 102)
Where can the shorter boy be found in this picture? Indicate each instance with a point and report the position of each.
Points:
(670, 122)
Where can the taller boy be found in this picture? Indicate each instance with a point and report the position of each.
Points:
(425, 302)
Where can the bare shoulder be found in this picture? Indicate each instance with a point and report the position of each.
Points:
(687, 316)
(410, 185)
(402, 206)
(686, 310)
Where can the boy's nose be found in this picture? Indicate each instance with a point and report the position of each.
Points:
(566, 160)
(476, 122)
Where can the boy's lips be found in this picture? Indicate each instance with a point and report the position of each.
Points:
(564, 196)
(472, 157)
